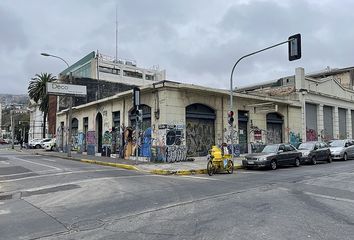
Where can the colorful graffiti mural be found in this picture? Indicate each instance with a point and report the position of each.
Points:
(175, 153)
(91, 142)
(168, 143)
(311, 135)
(294, 138)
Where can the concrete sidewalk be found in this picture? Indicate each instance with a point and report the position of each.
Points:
(197, 166)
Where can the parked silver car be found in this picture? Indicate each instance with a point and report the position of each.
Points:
(342, 149)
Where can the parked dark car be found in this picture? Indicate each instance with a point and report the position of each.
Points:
(272, 156)
(315, 151)
(342, 149)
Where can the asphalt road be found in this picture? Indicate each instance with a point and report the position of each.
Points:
(52, 198)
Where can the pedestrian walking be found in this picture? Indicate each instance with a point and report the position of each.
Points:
(21, 142)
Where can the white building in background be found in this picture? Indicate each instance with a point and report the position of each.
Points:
(36, 123)
(102, 67)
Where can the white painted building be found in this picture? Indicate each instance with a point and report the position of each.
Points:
(36, 123)
(103, 67)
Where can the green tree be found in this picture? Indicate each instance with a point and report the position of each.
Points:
(38, 93)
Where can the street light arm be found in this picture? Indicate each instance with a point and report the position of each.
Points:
(50, 55)
(231, 87)
(247, 55)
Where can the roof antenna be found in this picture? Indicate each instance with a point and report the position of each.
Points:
(116, 59)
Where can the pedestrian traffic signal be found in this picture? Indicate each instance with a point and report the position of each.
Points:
(230, 116)
(294, 47)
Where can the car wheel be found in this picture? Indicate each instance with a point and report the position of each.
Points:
(297, 162)
(313, 160)
(273, 165)
(345, 157)
(38, 146)
(329, 159)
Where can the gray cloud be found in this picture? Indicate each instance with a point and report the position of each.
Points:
(195, 41)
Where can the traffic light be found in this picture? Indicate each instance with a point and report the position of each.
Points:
(139, 115)
(136, 96)
(230, 116)
(294, 47)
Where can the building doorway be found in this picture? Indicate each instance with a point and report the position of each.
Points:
(200, 129)
(274, 128)
(99, 132)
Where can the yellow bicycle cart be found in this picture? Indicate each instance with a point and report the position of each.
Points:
(217, 161)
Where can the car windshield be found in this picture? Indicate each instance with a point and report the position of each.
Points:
(270, 149)
(337, 143)
(306, 146)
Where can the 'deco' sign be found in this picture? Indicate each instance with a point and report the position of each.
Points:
(66, 89)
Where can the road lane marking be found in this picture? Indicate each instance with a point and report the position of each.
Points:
(26, 173)
(80, 182)
(48, 159)
(41, 164)
(4, 162)
(203, 178)
(61, 173)
(3, 212)
(330, 197)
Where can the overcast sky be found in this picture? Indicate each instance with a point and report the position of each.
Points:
(196, 41)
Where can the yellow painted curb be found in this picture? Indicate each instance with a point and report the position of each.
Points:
(117, 165)
(185, 172)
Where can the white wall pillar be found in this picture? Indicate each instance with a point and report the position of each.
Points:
(320, 123)
(349, 123)
(335, 123)
(303, 116)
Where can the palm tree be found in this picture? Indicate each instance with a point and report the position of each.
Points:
(37, 91)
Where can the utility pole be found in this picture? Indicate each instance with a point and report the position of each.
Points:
(70, 120)
(12, 129)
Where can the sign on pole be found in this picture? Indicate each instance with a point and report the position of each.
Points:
(62, 89)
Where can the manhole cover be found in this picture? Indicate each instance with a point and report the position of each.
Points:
(87, 224)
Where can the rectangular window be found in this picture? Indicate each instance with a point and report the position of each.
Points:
(115, 71)
(149, 77)
(134, 74)
(116, 119)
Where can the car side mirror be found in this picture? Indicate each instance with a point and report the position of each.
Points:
(280, 151)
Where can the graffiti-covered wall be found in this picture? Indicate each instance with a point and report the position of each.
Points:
(169, 143)
(200, 136)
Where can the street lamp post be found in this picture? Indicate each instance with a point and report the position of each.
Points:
(70, 104)
(294, 54)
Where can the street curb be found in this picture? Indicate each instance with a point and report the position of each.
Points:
(117, 165)
(131, 167)
(185, 172)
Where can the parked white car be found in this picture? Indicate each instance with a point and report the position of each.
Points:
(50, 145)
(37, 143)
(33, 142)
